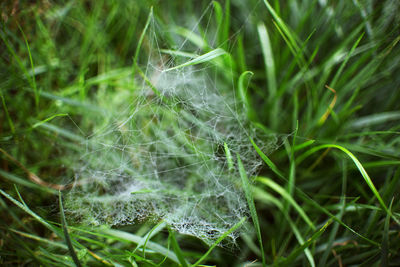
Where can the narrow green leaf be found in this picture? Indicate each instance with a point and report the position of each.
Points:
(135, 59)
(201, 59)
(280, 190)
(228, 156)
(290, 259)
(269, 63)
(49, 119)
(267, 160)
(250, 201)
(359, 167)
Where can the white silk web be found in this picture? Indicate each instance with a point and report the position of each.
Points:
(162, 156)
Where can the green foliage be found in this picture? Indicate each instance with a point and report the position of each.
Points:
(315, 131)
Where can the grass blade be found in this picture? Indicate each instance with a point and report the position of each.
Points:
(270, 164)
(270, 73)
(280, 190)
(289, 260)
(177, 249)
(201, 59)
(250, 201)
(66, 235)
(359, 167)
(222, 237)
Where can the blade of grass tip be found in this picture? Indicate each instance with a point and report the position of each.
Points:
(66, 235)
(280, 190)
(33, 79)
(250, 201)
(292, 257)
(201, 59)
(270, 73)
(304, 145)
(267, 160)
(9, 120)
(385, 240)
(228, 156)
(243, 92)
(222, 237)
(359, 167)
(49, 119)
(177, 248)
(135, 58)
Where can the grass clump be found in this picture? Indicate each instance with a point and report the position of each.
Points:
(167, 123)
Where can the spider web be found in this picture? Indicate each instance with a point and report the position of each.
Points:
(162, 155)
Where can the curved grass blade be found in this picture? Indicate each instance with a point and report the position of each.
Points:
(359, 167)
(222, 237)
(280, 190)
(201, 59)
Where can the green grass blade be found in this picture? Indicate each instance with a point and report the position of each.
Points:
(29, 211)
(292, 257)
(250, 201)
(270, 164)
(280, 190)
(228, 156)
(201, 59)
(177, 248)
(135, 58)
(66, 235)
(269, 63)
(222, 237)
(121, 235)
(243, 93)
(49, 119)
(359, 167)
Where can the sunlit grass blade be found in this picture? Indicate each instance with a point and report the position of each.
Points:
(201, 59)
(359, 167)
(270, 73)
(228, 156)
(124, 236)
(250, 201)
(49, 119)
